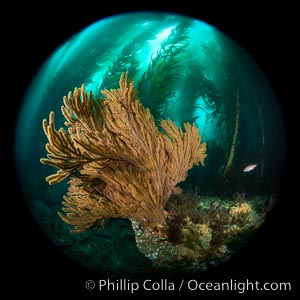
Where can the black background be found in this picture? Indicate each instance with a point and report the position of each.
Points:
(30, 33)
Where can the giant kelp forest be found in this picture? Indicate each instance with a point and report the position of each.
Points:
(187, 72)
(213, 84)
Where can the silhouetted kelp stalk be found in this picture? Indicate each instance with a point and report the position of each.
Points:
(197, 86)
(127, 60)
(235, 133)
(231, 113)
(157, 85)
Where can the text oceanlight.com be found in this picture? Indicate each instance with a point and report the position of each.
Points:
(240, 286)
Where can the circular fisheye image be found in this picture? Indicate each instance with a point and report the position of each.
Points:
(150, 141)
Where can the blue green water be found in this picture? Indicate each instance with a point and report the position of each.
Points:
(185, 70)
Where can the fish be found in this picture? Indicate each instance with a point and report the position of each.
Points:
(250, 167)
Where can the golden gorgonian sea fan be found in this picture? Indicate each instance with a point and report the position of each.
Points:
(119, 163)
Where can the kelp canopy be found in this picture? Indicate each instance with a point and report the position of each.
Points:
(120, 163)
